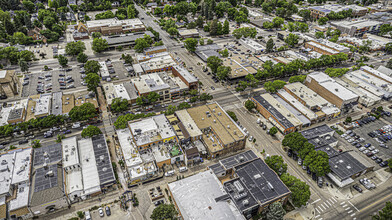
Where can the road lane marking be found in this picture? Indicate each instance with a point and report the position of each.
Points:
(317, 210)
(315, 201)
(353, 206)
(344, 206)
(350, 211)
(347, 208)
(329, 203)
(334, 199)
(342, 203)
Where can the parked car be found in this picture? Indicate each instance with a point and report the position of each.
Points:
(67, 132)
(107, 210)
(23, 141)
(320, 181)
(100, 211)
(87, 215)
(358, 188)
(383, 164)
(170, 173)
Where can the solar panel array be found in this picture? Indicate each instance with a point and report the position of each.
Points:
(46, 178)
(104, 165)
(48, 154)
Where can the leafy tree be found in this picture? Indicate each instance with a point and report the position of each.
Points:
(91, 131)
(92, 80)
(273, 131)
(385, 213)
(83, 112)
(127, 58)
(388, 47)
(241, 17)
(63, 61)
(60, 137)
(96, 35)
(348, 119)
(390, 163)
(319, 34)
(29, 6)
(274, 86)
(99, 45)
(82, 58)
(268, 25)
(389, 64)
(224, 53)
(24, 66)
(292, 39)
(214, 62)
(275, 211)
(245, 32)
(199, 21)
(210, 41)
(336, 72)
(277, 22)
(318, 162)
(92, 66)
(141, 44)
(294, 141)
(270, 45)
(276, 163)
(183, 105)
(305, 14)
(300, 193)
(190, 44)
(75, 48)
(36, 143)
(250, 105)
(164, 211)
(119, 105)
(153, 97)
(297, 78)
(172, 31)
(323, 21)
(223, 72)
(232, 115)
(226, 27)
(170, 110)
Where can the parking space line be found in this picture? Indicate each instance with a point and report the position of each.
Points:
(342, 203)
(347, 208)
(320, 208)
(328, 203)
(334, 199)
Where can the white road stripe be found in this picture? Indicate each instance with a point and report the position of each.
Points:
(354, 218)
(320, 208)
(317, 216)
(323, 206)
(315, 201)
(352, 214)
(334, 199)
(344, 206)
(342, 203)
(350, 211)
(348, 208)
(331, 200)
(353, 206)
(328, 203)
(317, 210)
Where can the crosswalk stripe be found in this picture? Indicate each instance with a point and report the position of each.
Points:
(323, 206)
(326, 205)
(342, 203)
(344, 206)
(331, 200)
(320, 208)
(347, 208)
(334, 199)
(352, 214)
(350, 211)
(317, 216)
(317, 210)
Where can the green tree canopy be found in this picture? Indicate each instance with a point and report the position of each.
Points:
(249, 105)
(91, 131)
(92, 66)
(119, 105)
(273, 131)
(83, 112)
(63, 61)
(276, 163)
(385, 213)
(92, 80)
(190, 44)
(300, 193)
(74, 48)
(164, 211)
(82, 58)
(232, 115)
(214, 62)
(318, 162)
(275, 211)
(223, 72)
(99, 45)
(270, 45)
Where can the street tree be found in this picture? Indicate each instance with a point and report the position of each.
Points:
(96, 35)
(153, 97)
(141, 44)
(24, 66)
(59, 138)
(270, 45)
(223, 72)
(91, 131)
(274, 86)
(172, 31)
(183, 105)
(210, 41)
(83, 112)
(319, 34)
(385, 213)
(191, 44)
(323, 20)
(99, 45)
(82, 58)
(291, 40)
(74, 48)
(214, 62)
(127, 58)
(232, 115)
(92, 66)
(276, 163)
(388, 47)
(250, 105)
(390, 164)
(170, 110)
(119, 105)
(164, 211)
(275, 211)
(63, 61)
(273, 131)
(318, 162)
(36, 143)
(226, 27)
(300, 193)
(294, 141)
(92, 80)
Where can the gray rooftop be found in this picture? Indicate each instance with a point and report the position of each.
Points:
(154, 48)
(344, 165)
(281, 118)
(15, 113)
(329, 150)
(295, 112)
(232, 161)
(57, 104)
(104, 165)
(322, 141)
(316, 131)
(49, 154)
(125, 38)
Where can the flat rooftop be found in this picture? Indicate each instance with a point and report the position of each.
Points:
(344, 165)
(57, 106)
(103, 162)
(297, 105)
(22, 162)
(373, 80)
(359, 24)
(196, 197)
(185, 74)
(149, 83)
(129, 150)
(318, 131)
(47, 155)
(90, 174)
(242, 65)
(293, 114)
(188, 123)
(70, 152)
(230, 162)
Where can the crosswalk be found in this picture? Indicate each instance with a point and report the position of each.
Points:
(323, 206)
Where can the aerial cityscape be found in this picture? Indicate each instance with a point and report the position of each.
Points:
(196, 110)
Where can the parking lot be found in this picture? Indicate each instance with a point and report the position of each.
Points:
(382, 152)
(120, 71)
(48, 81)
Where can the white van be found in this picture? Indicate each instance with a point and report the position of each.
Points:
(183, 169)
(169, 173)
(76, 125)
(87, 215)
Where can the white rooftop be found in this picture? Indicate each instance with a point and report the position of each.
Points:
(104, 70)
(89, 167)
(195, 197)
(22, 197)
(373, 80)
(129, 150)
(6, 170)
(43, 104)
(188, 123)
(364, 84)
(297, 105)
(385, 70)
(311, 98)
(121, 92)
(377, 73)
(3, 73)
(70, 152)
(324, 48)
(149, 83)
(114, 22)
(22, 165)
(185, 73)
(160, 153)
(74, 181)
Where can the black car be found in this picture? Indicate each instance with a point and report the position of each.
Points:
(70, 80)
(379, 160)
(61, 74)
(383, 164)
(62, 84)
(107, 210)
(68, 69)
(4, 143)
(295, 157)
(308, 171)
(63, 87)
(314, 176)
(67, 132)
(23, 141)
(358, 188)
(289, 153)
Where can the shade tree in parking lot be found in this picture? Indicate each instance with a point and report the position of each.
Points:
(300, 192)
(245, 32)
(92, 80)
(82, 58)
(63, 61)
(385, 213)
(99, 45)
(92, 66)
(119, 105)
(83, 112)
(164, 211)
(91, 131)
(276, 163)
(75, 48)
(318, 162)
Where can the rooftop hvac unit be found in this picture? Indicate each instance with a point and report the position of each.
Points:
(240, 196)
(50, 173)
(245, 202)
(238, 186)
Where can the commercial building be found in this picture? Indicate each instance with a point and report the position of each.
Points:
(47, 181)
(201, 196)
(221, 134)
(374, 42)
(188, 33)
(377, 74)
(125, 90)
(358, 28)
(153, 50)
(115, 26)
(242, 65)
(366, 98)
(306, 112)
(312, 100)
(42, 106)
(276, 113)
(205, 51)
(158, 64)
(9, 83)
(137, 169)
(14, 112)
(124, 40)
(190, 80)
(252, 45)
(250, 184)
(322, 11)
(366, 85)
(293, 111)
(373, 79)
(385, 70)
(326, 47)
(73, 178)
(330, 90)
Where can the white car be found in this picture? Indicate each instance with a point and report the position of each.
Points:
(365, 151)
(350, 140)
(100, 211)
(344, 135)
(362, 148)
(347, 137)
(375, 151)
(371, 148)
